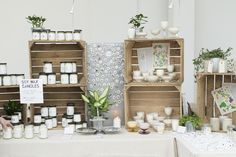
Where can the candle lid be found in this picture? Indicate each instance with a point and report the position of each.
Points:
(70, 104)
(77, 30)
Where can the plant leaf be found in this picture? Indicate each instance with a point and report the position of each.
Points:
(85, 98)
(104, 93)
(103, 100)
(96, 97)
(97, 104)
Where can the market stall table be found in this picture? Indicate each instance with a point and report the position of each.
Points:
(121, 145)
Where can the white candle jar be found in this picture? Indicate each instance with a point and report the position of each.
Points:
(35, 35)
(54, 122)
(19, 77)
(77, 34)
(64, 121)
(74, 67)
(37, 118)
(44, 35)
(43, 131)
(52, 35)
(78, 125)
(69, 119)
(52, 111)
(7, 133)
(215, 123)
(62, 67)
(68, 67)
(60, 35)
(29, 132)
(15, 119)
(73, 78)
(48, 123)
(3, 68)
(44, 111)
(6, 81)
(47, 67)
(69, 35)
(85, 125)
(43, 77)
(19, 115)
(70, 109)
(13, 79)
(17, 131)
(52, 78)
(77, 117)
(117, 122)
(226, 122)
(64, 78)
(37, 128)
(71, 125)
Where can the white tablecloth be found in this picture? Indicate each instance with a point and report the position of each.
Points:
(198, 145)
(121, 145)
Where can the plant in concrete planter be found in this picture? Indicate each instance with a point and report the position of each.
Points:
(11, 107)
(36, 21)
(137, 21)
(193, 118)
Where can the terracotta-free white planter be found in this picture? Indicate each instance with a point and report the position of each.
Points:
(216, 62)
(131, 33)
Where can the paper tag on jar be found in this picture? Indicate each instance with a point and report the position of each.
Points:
(210, 66)
(222, 66)
(68, 130)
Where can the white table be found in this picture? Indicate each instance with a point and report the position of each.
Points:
(121, 145)
(214, 145)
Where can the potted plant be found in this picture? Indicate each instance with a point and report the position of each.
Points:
(214, 55)
(97, 105)
(193, 118)
(12, 107)
(137, 21)
(36, 21)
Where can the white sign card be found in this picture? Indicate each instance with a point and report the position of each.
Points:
(31, 91)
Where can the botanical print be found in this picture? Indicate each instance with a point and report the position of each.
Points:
(224, 100)
(160, 54)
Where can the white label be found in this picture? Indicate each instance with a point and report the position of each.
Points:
(31, 91)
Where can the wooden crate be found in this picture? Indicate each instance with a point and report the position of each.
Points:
(60, 94)
(206, 83)
(176, 55)
(152, 99)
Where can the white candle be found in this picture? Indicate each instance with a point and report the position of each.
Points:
(221, 121)
(226, 123)
(215, 123)
(117, 122)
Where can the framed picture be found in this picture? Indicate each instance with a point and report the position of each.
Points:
(224, 99)
(160, 55)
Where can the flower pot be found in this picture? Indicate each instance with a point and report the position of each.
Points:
(98, 123)
(216, 62)
(131, 33)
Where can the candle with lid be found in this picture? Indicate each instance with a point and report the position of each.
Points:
(43, 131)
(77, 34)
(52, 78)
(68, 35)
(44, 111)
(6, 81)
(60, 35)
(53, 111)
(47, 67)
(70, 109)
(43, 76)
(29, 132)
(7, 133)
(52, 35)
(17, 131)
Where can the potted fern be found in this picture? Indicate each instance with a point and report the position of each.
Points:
(137, 23)
(97, 106)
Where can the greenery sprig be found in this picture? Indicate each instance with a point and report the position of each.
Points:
(11, 107)
(36, 21)
(138, 20)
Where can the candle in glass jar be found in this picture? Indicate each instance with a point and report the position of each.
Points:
(48, 123)
(215, 124)
(52, 111)
(37, 118)
(19, 77)
(52, 78)
(29, 132)
(70, 109)
(73, 78)
(43, 77)
(117, 122)
(43, 131)
(44, 111)
(77, 34)
(36, 34)
(226, 122)
(52, 35)
(47, 67)
(7, 133)
(64, 78)
(6, 81)
(13, 79)
(44, 35)
(68, 35)
(17, 131)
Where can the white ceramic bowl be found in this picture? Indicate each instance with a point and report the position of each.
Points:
(156, 32)
(152, 78)
(172, 75)
(161, 118)
(144, 126)
(141, 34)
(173, 30)
(132, 124)
(167, 122)
(138, 79)
(160, 72)
(166, 78)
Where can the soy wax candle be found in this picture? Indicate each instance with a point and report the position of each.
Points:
(215, 123)
(226, 122)
(7, 133)
(29, 132)
(43, 131)
(117, 122)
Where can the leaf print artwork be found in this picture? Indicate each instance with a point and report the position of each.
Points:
(160, 55)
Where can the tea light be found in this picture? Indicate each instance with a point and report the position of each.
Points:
(7, 133)
(43, 131)
(215, 123)
(29, 132)
(227, 122)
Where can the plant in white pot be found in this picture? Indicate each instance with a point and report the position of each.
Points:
(214, 56)
(97, 106)
(36, 21)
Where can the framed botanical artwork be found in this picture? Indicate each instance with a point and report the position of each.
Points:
(160, 55)
(224, 99)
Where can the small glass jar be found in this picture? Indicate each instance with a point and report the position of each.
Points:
(73, 78)
(7, 133)
(77, 117)
(71, 125)
(52, 35)
(63, 120)
(48, 122)
(19, 115)
(54, 122)
(44, 35)
(29, 132)
(68, 67)
(77, 34)
(47, 67)
(3, 68)
(64, 78)
(36, 35)
(60, 35)
(37, 118)
(69, 119)
(15, 119)
(43, 76)
(69, 35)
(62, 67)
(85, 125)
(43, 131)
(206, 129)
(52, 78)
(78, 125)
(70, 110)
(17, 131)
(36, 128)
(6, 81)
(43, 119)
(52, 111)
(44, 111)
(19, 77)
(74, 67)
(13, 79)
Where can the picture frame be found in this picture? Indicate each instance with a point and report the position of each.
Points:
(161, 53)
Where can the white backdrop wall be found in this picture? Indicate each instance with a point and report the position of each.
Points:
(101, 20)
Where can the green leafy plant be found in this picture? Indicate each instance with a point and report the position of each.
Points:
(195, 119)
(11, 107)
(138, 20)
(36, 21)
(97, 104)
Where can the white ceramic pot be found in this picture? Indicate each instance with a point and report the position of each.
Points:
(216, 62)
(131, 33)
(170, 68)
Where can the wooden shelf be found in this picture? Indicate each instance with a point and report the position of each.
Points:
(154, 84)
